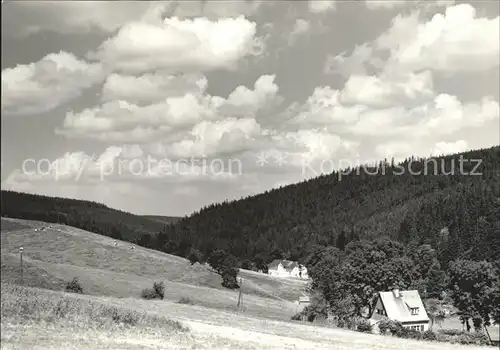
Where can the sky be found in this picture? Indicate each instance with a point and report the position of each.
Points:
(166, 107)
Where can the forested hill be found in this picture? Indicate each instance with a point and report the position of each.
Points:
(457, 214)
(90, 216)
(162, 219)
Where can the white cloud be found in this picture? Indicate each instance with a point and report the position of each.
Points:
(320, 6)
(394, 4)
(71, 17)
(398, 150)
(324, 108)
(458, 41)
(300, 27)
(76, 17)
(392, 109)
(387, 91)
(151, 87)
(245, 101)
(112, 167)
(229, 8)
(121, 121)
(384, 4)
(455, 41)
(177, 45)
(444, 148)
(348, 65)
(213, 138)
(42, 86)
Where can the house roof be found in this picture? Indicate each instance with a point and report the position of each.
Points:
(399, 308)
(304, 299)
(493, 332)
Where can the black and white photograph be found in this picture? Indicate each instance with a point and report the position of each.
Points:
(250, 174)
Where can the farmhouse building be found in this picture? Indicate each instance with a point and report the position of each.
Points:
(403, 306)
(286, 268)
(493, 333)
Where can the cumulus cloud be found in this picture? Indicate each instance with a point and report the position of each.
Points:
(397, 150)
(300, 27)
(357, 62)
(113, 166)
(120, 121)
(42, 86)
(384, 4)
(443, 115)
(321, 6)
(71, 17)
(395, 4)
(392, 109)
(208, 139)
(151, 87)
(77, 17)
(455, 41)
(444, 148)
(179, 45)
(382, 91)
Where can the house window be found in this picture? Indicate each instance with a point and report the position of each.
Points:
(422, 328)
(414, 310)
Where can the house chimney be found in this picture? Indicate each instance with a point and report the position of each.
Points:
(396, 293)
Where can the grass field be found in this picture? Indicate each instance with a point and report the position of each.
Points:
(112, 278)
(57, 254)
(42, 319)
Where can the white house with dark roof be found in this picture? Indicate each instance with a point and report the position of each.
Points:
(286, 268)
(403, 306)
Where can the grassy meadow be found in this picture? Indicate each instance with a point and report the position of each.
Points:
(33, 318)
(56, 255)
(111, 315)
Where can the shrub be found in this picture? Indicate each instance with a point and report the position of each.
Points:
(158, 291)
(298, 316)
(413, 334)
(429, 335)
(308, 313)
(384, 325)
(185, 300)
(316, 310)
(472, 338)
(363, 325)
(148, 294)
(126, 317)
(73, 286)
(453, 332)
(394, 327)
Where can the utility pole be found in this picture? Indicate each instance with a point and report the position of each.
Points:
(240, 296)
(21, 262)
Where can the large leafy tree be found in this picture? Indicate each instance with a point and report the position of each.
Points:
(365, 268)
(222, 263)
(471, 284)
(436, 311)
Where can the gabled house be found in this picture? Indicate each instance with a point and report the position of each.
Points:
(403, 306)
(493, 333)
(286, 268)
